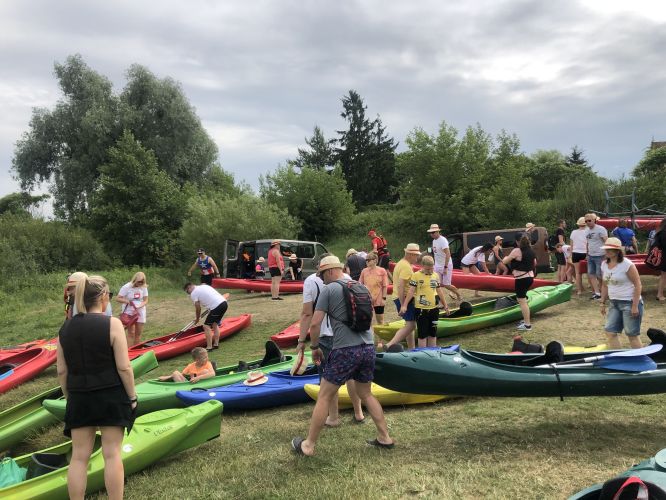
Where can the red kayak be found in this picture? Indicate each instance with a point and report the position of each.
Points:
(18, 348)
(642, 223)
(638, 259)
(171, 345)
(415, 267)
(289, 336)
(23, 366)
(257, 285)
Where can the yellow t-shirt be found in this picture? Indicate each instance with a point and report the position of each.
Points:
(426, 289)
(402, 271)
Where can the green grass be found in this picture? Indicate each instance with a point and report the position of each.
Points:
(462, 448)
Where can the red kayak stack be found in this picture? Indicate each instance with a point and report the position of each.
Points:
(289, 336)
(174, 344)
(642, 223)
(18, 348)
(23, 366)
(638, 259)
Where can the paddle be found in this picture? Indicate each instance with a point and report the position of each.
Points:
(631, 364)
(629, 353)
(187, 327)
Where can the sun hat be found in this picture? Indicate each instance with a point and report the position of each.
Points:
(413, 248)
(580, 221)
(612, 244)
(434, 228)
(74, 278)
(329, 262)
(293, 257)
(275, 242)
(529, 226)
(299, 365)
(260, 260)
(351, 251)
(255, 378)
(498, 238)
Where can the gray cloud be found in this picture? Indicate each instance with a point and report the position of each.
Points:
(262, 74)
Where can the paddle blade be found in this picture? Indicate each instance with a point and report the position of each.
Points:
(633, 364)
(643, 351)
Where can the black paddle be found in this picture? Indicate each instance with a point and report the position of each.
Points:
(187, 327)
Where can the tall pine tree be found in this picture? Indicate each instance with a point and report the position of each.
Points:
(366, 154)
(320, 156)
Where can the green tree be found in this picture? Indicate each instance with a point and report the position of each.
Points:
(577, 158)
(650, 177)
(366, 154)
(20, 203)
(320, 155)
(138, 209)
(318, 199)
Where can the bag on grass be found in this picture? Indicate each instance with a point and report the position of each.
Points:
(10, 472)
(128, 318)
(359, 306)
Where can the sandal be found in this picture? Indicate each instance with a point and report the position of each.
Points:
(358, 420)
(377, 444)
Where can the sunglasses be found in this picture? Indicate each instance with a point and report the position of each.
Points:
(140, 282)
(589, 220)
(369, 260)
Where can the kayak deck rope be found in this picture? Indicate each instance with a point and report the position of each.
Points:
(559, 382)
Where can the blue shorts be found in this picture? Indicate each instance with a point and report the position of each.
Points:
(594, 265)
(356, 362)
(619, 318)
(410, 315)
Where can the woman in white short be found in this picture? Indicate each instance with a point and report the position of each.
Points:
(476, 255)
(578, 243)
(133, 295)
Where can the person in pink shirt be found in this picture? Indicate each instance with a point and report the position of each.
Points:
(275, 268)
(375, 279)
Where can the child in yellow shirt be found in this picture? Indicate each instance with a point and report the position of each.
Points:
(424, 288)
(200, 369)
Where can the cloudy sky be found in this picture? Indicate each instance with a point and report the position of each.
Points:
(261, 74)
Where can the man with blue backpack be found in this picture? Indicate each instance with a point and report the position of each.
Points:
(347, 305)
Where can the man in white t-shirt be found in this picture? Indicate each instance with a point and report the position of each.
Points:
(443, 261)
(211, 299)
(312, 288)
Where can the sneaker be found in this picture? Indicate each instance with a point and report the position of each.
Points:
(521, 322)
(595, 296)
(524, 327)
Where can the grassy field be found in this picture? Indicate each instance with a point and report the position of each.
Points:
(463, 448)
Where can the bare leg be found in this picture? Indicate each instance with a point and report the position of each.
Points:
(209, 336)
(423, 342)
(114, 473)
(432, 342)
(275, 286)
(579, 278)
(613, 341)
(593, 282)
(138, 329)
(635, 342)
(356, 401)
(406, 332)
(178, 377)
(333, 419)
(216, 334)
(473, 270)
(660, 285)
(83, 440)
(130, 335)
(455, 291)
(326, 393)
(525, 309)
(379, 318)
(375, 410)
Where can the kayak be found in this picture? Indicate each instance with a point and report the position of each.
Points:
(468, 373)
(28, 417)
(23, 366)
(639, 261)
(153, 438)
(385, 396)
(156, 395)
(289, 336)
(644, 223)
(16, 349)
(489, 312)
(280, 389)
(652, 472)
(254, 285)
(415, 267)
(174, 344)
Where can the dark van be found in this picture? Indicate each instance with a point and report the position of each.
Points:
(461, 243)
(240, 257)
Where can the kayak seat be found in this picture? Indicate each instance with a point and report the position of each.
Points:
(616, 488)
(243, 366)
(504, 302)
(43, 463)
(7, 367)
(273, 354)
(520, 345)
(153, 343)
(464, 309)
(554, 352)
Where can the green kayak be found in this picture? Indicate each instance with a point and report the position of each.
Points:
(467, 373)
(28, 417)
(652, 472)
(492, 312)
(154, 437)
(156, 395)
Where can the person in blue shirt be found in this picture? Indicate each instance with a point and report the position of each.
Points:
(626, 236)
(207, 266)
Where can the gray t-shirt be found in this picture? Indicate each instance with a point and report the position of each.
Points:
(332, 301)
(595, 240)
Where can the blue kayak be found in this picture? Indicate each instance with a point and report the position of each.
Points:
(280, 389)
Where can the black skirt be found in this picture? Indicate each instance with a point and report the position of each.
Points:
(109, 407)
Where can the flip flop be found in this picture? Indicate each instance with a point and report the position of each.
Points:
(377, 444)
(297, 445)
(357, 420)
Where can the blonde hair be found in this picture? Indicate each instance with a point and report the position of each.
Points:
(89, 291)
(139, 277)
(372, 255)
(426, 260)
(198, 353)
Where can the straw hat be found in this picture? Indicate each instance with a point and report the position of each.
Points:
(498, 238)
(434, 228)
(613, 244)
(529, 226)
(255, 378)
(293, 257)
(580, 221)
(299, 366)
(330, 262)
(351, 251)
(413, 248)
(74, 278)
(275, 242)
(260, 260)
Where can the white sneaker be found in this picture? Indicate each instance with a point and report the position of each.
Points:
(524, 327)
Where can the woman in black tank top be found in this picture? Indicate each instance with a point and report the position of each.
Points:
(97, 379)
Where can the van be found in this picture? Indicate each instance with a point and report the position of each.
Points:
(240, 257)
(461, 243)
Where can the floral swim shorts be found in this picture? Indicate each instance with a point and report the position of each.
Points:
(356, 362)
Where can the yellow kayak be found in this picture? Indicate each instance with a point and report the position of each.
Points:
(570, 349)
(386, 397)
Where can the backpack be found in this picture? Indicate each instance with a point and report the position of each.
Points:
(382, 249)
(359, 306)
(553, 240)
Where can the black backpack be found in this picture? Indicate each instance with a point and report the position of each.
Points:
(553, 240)
(359, 306)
